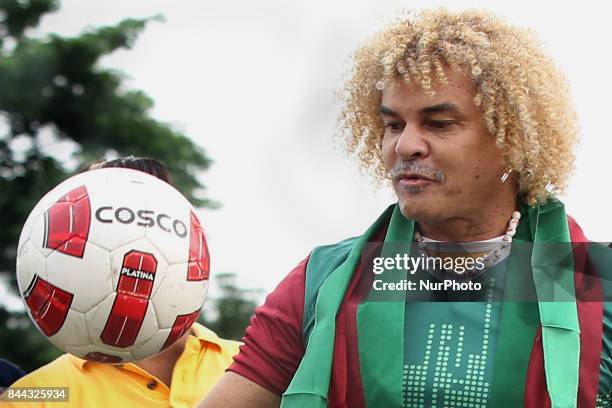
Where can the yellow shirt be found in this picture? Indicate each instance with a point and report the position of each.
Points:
(91, 384)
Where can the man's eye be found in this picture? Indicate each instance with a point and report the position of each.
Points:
(394, 126)
(440, 124)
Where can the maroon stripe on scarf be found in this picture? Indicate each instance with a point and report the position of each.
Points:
(346, 388)
(590, 317)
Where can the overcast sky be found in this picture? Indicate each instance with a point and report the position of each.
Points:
(253, 83)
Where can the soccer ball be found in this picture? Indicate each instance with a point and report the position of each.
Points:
(112, 265)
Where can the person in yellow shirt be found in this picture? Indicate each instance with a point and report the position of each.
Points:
(178, 377)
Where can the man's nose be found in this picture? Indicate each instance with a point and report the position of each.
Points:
(411, 144)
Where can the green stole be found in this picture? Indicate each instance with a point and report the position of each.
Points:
(381, 356)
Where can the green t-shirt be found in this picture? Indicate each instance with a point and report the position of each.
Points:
(449, 348)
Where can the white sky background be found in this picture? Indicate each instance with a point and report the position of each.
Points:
(253, 83)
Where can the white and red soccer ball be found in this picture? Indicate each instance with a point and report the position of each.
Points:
(113, 265)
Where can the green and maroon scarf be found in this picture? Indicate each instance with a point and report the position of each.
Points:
(538, 360)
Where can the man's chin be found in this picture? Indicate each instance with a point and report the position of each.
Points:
(415, 208)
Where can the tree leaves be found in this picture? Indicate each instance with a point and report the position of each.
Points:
(17, 15)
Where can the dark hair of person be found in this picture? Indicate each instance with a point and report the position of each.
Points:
(151, 166)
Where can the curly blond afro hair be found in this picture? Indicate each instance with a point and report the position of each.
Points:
(523, 96)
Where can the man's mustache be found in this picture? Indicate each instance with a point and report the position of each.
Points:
(405, 168)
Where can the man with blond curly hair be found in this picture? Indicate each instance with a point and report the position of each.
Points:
(472, 124)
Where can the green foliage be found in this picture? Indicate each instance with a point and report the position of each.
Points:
(22, 343)
(57, 83)
(23, 14)
(232, 310)
(33, 179)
